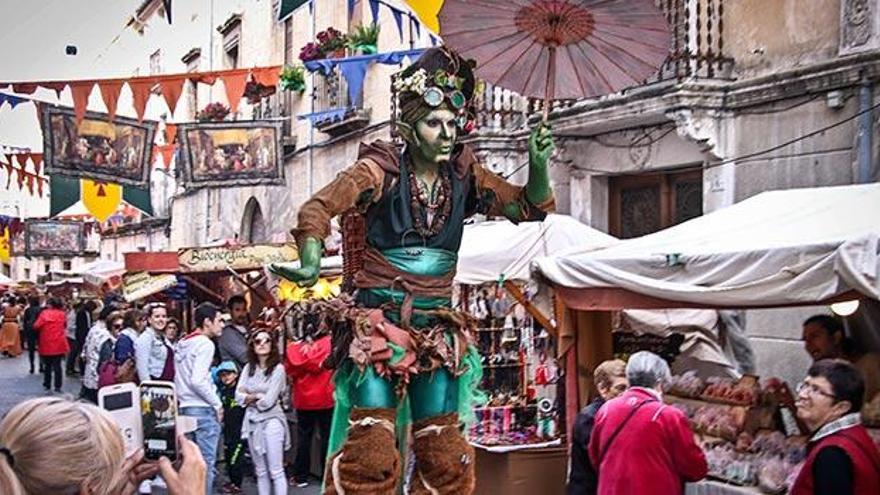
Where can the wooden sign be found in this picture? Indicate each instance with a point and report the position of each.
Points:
(140, 285)
(222, 258)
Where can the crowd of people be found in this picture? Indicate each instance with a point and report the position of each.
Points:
(230, 376)
(628, 440)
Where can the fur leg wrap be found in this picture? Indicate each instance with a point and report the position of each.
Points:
(368, 462)
(444, 459)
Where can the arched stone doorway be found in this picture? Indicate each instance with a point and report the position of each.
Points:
(253, 227)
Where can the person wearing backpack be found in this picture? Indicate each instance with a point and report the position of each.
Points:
(51, 327)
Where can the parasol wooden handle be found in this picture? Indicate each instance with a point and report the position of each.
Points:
(550, 83)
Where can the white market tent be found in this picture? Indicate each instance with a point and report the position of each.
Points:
(495, 249)
(779, 248)
(776, 249)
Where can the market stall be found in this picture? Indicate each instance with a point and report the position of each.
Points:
(210, 273)
(777, 249)
(517, 433)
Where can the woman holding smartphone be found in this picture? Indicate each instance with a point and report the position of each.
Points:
(265, 426)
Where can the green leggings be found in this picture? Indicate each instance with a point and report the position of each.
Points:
(430, 394)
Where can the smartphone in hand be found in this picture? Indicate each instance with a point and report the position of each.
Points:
(122, 402)
(158, 407)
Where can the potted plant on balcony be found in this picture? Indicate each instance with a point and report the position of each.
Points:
(213, 112)
(293, 78)
(332, 43)
(310, 51)
(365, 39)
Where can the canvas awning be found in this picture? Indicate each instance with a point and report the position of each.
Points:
(494, 250)
(779, 248)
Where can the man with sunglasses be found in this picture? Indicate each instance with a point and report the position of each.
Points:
(414, 201)
(841, 457)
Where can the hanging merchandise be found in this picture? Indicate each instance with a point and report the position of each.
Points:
(520, 377)
(16, 165)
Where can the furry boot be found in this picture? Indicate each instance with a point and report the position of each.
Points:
(368, 462)
(444, 459)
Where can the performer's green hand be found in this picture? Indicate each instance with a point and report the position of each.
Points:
(309, 265)
(541, 145)
(540, 148)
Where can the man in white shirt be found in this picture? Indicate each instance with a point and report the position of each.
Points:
(195, 390)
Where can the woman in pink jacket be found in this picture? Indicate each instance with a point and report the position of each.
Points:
(51, 328)
(639, 444)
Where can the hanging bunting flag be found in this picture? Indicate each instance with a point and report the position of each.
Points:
(398, 19)
(433, 40)
(374, 10)
(170, 133)
(140, 92)
(167, 152)
(110, 94)
(40, 183)
(21, 159)
(267, 76)
(81, 91)
(354, 73)
(100, 198)
(30, 183)
(37, 160)
(234, 84)
(330, 114)
(24, 88)
(11, 99)
(57, 86)
(20, 173)
(171, 90)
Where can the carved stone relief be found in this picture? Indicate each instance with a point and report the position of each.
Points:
(859, 21)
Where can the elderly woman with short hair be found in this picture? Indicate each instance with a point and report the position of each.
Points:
(639, 444)
(841, 457)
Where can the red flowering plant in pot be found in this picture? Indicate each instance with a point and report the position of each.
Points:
(213, 112)
(332, 43)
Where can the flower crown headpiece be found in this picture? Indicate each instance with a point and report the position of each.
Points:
(434, 89)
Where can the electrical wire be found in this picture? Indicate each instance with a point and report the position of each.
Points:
(792, 141)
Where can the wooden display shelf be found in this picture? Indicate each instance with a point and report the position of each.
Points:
(754, 417)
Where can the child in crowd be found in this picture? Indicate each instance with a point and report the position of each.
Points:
(233, 415)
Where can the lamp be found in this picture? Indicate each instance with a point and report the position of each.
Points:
(845, 308)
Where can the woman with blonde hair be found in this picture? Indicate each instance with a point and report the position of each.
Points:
(53, 445)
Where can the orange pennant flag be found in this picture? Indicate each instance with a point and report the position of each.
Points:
(171, 90)
(267, 76)
(234, 83)
(167, 154)
(170, 133)
(40, 182)
(37, 159)
(30, 183)
(21, 159)
(58, 87)
(24, 88)
(110, 93)
(21, 174)
(140, 92)
(81, 91)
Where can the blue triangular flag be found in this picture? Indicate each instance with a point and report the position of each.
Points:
(433, 40)
(398, 18)
(374, 9)
(350, 7)
(418, 27)
(354, 72)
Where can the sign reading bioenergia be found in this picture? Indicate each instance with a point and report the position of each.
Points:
(248, 257)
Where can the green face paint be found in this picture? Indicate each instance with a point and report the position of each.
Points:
(434, 136)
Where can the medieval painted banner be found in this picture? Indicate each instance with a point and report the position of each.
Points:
(54, 238)
(119, 151)
(210, 259)
(231, 153)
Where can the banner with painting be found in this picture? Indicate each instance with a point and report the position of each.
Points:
(54, 238)
(231, 153)
(119, 151)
